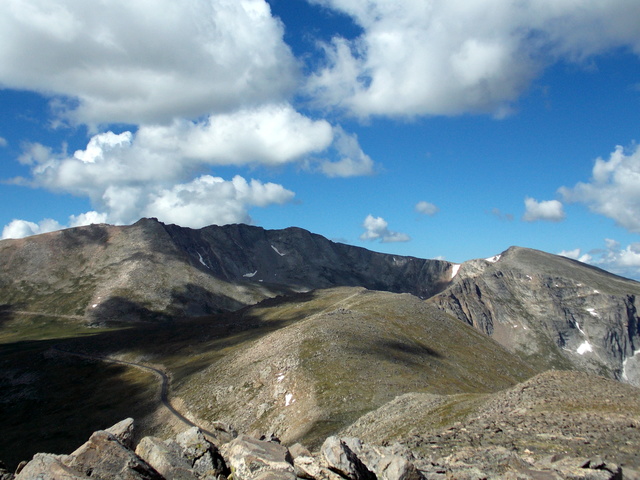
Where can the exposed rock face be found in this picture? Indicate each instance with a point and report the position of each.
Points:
(123, 431)
(555, 311)
(166, 458)
(45, 466)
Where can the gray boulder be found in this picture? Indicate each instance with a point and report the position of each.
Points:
(252, 459)
(104, 457)
(123, 431)
(341, 459)
(166, 457)
(204, 457)
(310, 468)
(4, 473)
(45, 466)
(388, 463)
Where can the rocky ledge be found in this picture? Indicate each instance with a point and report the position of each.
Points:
(110, 454)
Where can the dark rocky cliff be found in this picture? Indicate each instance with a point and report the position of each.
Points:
(297, 259)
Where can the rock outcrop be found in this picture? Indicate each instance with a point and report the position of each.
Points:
(104, 457)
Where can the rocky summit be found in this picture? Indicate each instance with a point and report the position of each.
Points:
(110, 455)
(523, 365)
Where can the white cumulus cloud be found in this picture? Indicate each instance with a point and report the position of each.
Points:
(212, 200)
(622, 261)
(23, 228)
(549, 210)
(145, 62)
(87, 218)
(576, 254)
(155, 171)
(426, 208)
(351, 162)
(417, 57)
(376, 228)
(614, 188)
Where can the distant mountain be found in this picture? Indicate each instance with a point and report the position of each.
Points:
(553, 311)
(151, 270)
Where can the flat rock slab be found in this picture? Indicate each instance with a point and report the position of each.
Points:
(45, 466)
(250, 458)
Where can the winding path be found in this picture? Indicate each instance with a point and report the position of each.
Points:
(164, 384)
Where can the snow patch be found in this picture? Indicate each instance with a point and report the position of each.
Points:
(280, 377)
(250, 275)
(288, 399)
(584, 348)
(493, 259)
(596, 291)
(578, 327)
(454, 269)
(529, 277)
(593, 312)
(202, 260)
(276, 250)
(94, 305)
(624, 365)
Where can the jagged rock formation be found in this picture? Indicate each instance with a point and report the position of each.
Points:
(105, 457)
(150, 270)
(554, 311)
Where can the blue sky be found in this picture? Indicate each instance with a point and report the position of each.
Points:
(439, 129)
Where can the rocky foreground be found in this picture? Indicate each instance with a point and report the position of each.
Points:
(111, 454)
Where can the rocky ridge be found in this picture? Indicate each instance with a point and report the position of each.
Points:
(150, 270)
(554, 413)
(109, 454)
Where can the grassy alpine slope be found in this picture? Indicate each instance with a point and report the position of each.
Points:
(341, 353)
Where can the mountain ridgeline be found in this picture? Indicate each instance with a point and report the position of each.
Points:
(551, 311)
(149, 270)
